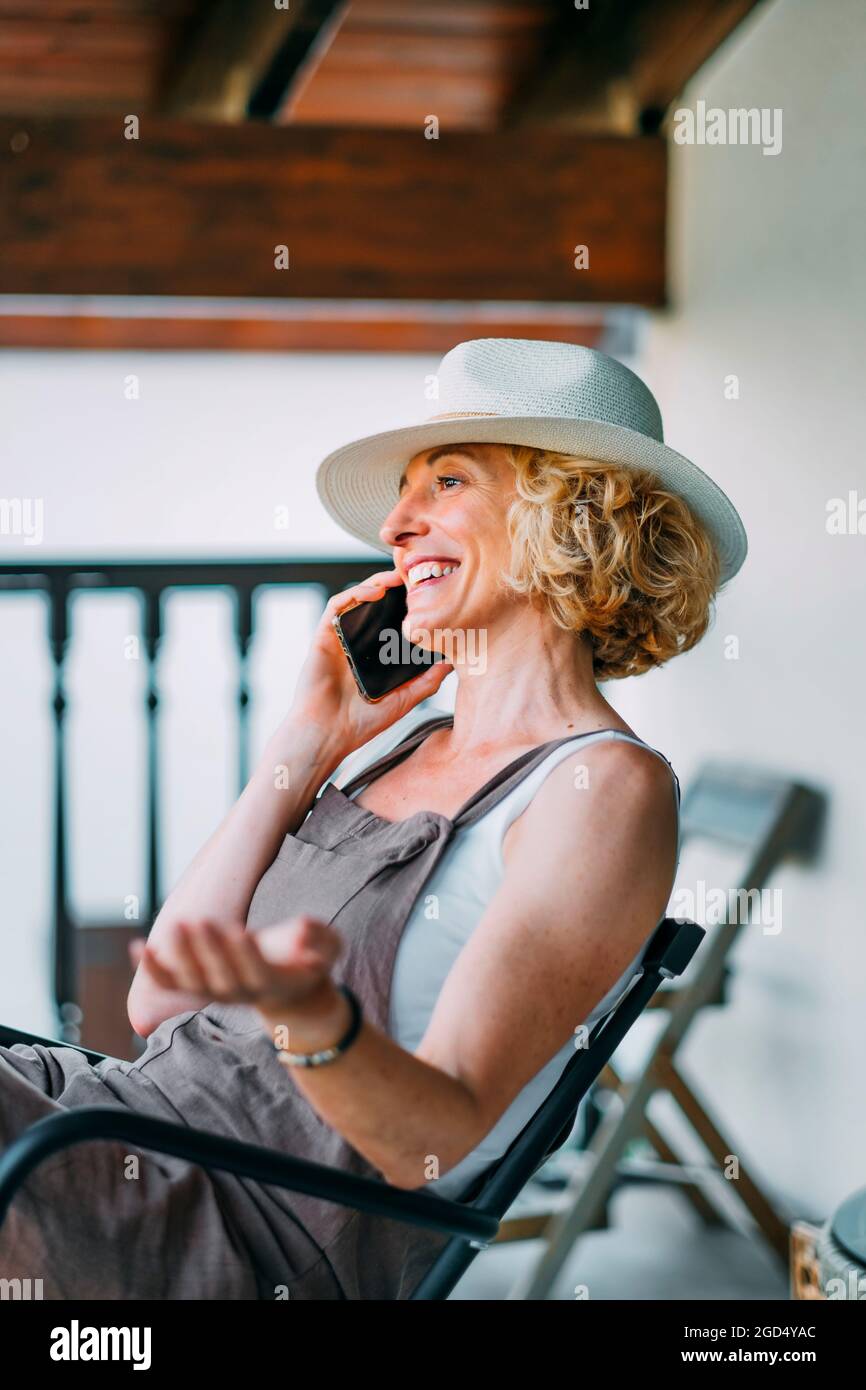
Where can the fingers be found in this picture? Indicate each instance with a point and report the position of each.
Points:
(241, 955)
(366, 592)
(301, 944)
(186, 958)
(208, 943)
(153, 966)
(410, 693)
(435, 673)
(205, 960)
(225, 962)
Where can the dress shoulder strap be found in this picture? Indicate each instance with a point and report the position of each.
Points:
(400, 750)
(505, 781)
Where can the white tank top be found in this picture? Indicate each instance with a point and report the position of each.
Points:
(446, 913)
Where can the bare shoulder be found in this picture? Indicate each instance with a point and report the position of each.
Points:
(610, 792)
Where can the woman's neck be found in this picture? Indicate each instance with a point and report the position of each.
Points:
(534, 685)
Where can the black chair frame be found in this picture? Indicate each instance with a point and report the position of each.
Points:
(472, 1222)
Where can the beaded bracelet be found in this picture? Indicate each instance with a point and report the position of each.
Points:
(327, 1054)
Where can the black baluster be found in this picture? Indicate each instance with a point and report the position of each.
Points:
(63, 930)
(152, 634)
(243, 637)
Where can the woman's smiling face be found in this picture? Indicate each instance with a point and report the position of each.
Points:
(451, 512)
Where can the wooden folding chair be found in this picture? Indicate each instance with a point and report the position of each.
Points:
(765, 818)
(472, 1222)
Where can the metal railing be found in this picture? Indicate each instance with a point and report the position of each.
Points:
(59, 581)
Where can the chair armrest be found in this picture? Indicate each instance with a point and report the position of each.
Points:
(671, 947)
(9, 1036)
(268, 1166)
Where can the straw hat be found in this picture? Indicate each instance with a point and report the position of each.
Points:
(550, 395)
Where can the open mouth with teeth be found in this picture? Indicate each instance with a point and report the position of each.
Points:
(430, 572)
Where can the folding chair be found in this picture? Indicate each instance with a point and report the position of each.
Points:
(472, 1222)
(764, 819)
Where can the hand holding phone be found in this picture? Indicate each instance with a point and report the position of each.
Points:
(380, 657)
(350, 684)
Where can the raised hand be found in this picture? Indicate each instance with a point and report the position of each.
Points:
(276, 968)
(326, 693)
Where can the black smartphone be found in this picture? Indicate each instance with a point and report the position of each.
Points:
(380, 656)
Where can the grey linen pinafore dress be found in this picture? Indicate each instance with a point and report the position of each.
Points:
(174, 1231)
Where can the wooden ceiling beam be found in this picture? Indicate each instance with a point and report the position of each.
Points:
(619, 67)
(672, 41)
(298, 61)
(243, 57)
(184, 210)
(339, 327)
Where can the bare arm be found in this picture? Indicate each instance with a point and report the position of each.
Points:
(222, 878)
(328, 720)
(586, 880)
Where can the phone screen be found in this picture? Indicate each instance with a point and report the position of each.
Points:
(381, 658)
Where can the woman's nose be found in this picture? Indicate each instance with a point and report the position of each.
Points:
(403, 519)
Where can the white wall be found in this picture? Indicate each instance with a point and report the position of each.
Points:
(768, 283)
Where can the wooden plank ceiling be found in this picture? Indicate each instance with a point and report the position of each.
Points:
(305, 126)
(476, 64)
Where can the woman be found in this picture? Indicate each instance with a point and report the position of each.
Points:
(391, 981)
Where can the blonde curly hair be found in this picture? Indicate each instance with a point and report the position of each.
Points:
(614, 554)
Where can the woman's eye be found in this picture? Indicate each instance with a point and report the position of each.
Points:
(447, 478)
